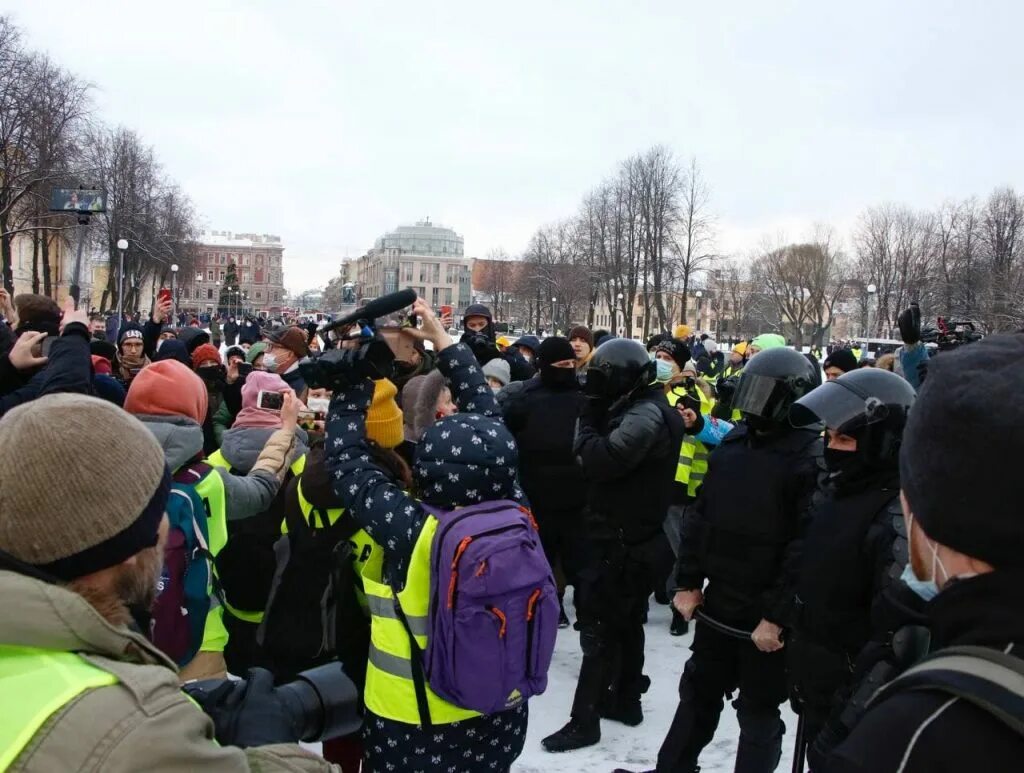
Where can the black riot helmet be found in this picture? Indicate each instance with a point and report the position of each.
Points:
(868, 404)
(771, 382)
(618, 368)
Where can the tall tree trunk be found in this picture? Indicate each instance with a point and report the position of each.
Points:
(6, 257)
(36, 236)
(47, 276)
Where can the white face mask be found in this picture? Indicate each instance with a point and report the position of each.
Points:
(319, 404)
(270, 363)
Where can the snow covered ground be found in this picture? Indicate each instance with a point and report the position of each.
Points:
(633, 748)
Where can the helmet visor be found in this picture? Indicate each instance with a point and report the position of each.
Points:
(762, 396)
(833, 404)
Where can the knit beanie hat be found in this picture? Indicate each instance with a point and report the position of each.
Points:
(582, 332)
(103, 349)
(255, 351)
(89, 515)
(499, 370)
(843, 359)
(711, 346)
(384, 418)
(682, 332)
(768, 341)
(129, 330)
(172, 349)
(740, 348)
(234, 351)
(167, 388)
(251, 415)
(677, 350)
(973, 507)
(555, 349)
(204, 353)
(101, 366)
(656, 339)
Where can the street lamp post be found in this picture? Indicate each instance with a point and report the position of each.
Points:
(554, 316)
(872, 289)
(122, 247)
(700, 297)
(615, 318)
(174, 296)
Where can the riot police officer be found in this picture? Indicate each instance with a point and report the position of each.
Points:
(759, 482)
(847, 560)
(628, 444)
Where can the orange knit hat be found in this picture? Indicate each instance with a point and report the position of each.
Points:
(384, 419)
(168, 388)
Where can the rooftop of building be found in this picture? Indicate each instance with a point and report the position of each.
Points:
(230, 239)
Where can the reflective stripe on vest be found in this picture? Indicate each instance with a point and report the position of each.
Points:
(34, 685)
(693, 455)
(217, 459)
(367, 555)
(390, 690)
(210, 488)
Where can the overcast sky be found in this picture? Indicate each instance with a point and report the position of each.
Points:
(330, 122)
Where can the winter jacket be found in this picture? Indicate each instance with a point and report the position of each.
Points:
(215, 329)
(248, 333)
(929, 731)
(394, 520)
(629, 458)
(182, 441)
(543, 421)
(747, 513)
(69, 369)
(230, 333)
(144, 721)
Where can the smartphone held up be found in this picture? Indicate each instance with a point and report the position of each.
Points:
(270, 401)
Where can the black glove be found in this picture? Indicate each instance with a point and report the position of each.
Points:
(594, 412)
(910, 324)
(248, 713)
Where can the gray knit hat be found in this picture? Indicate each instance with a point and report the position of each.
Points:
(83, 485)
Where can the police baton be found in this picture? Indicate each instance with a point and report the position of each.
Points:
(722, 628)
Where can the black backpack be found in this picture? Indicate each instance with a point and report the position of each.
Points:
(313, 614)
(987, 678)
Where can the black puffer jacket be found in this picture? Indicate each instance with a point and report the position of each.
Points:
(630, 457)
(69, 369)
(746, 516)
(928, 731)
(543, 420)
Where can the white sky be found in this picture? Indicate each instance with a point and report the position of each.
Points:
(329, 122)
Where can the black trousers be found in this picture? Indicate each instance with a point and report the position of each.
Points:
(562, 534)
(718, 666)
(611, 601)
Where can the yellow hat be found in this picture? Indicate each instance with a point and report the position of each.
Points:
(740, 348)
(504, 342)
(682, 331)
(384, 419)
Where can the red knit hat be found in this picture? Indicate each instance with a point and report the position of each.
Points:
(204, 353)
(167, 388)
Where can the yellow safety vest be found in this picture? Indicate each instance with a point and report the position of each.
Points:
(693, 455)
(34, 685)
(390, 690)
(217, 459)
(367, 555)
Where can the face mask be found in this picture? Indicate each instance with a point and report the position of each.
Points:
(99, 335)
(319, 404)
(838, 461)
(926, 589)
(211, 374)
(665, 371)
(269, 363)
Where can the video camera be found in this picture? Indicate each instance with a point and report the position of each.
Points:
(337, 369)
(322, 703)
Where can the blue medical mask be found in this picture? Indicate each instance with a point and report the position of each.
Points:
(926, 589)
(665, 371)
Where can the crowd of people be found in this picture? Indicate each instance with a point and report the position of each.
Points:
(182, 503)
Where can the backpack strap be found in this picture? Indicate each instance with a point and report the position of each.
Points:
(419, 679)
(987, 678)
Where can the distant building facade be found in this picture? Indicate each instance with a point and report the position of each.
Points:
(425, 257)
(259, 267)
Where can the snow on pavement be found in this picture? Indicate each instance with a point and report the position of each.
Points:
(633, 748)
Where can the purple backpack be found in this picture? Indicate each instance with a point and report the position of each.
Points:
(493, 608)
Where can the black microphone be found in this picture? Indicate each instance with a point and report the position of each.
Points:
(378, 307)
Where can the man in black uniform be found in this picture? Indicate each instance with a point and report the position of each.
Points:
(848, 571)
(759, 483)
(628, 444)
(542, 413)
(481, 337)
(959, 473)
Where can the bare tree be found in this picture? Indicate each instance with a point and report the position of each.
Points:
(693, 237)
(1002, 228)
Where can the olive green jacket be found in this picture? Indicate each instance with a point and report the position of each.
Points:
(144, 722)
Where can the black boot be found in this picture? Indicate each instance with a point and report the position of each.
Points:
(628, 712)
(575, 735)
(679, 625)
